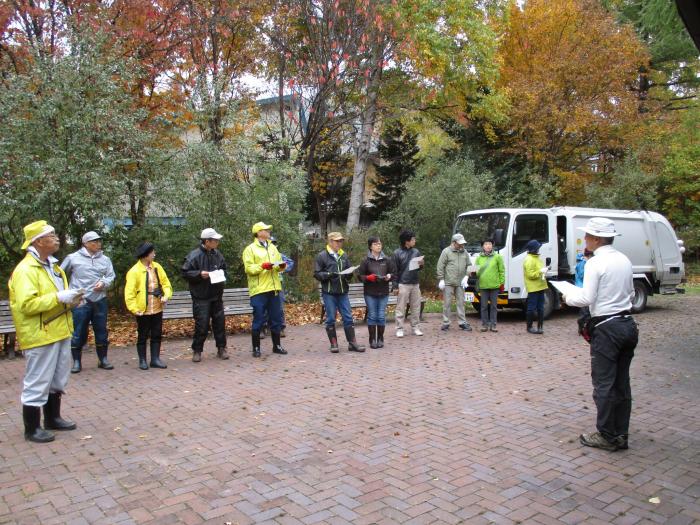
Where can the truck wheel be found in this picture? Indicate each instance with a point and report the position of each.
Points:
(641, 294)
(548, 302)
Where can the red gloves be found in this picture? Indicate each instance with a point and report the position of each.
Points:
(371, 277)
(502, 288)
(267, 266)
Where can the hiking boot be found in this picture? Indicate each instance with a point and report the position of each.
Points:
(596, 440)
(484, 329)
(445, 327)
(493, 328)
(622, 443)
(221, 353)
(466, 327)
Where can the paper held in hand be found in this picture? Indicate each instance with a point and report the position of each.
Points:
(349, 270)
(414, 263)
(217, 276)
(564, 287)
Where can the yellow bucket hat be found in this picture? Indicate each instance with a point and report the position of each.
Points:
(260, 226)
(34, 231)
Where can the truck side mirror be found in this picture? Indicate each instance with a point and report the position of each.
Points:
(548, 261)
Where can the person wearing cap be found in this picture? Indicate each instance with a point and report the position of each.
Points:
(451, 270)
(90, 269)
(288, 268)
(408, 282)
(376, 272)
(147, 291)
(608, 290)
(207, 297)
(263, 265)
(40, 302)
(328, 266)
(534, 271)
(491, 279)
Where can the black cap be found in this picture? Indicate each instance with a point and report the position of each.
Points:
(144, 249)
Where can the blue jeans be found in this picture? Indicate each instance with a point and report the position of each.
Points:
(266, 306)
(376, 309)
(267, 314)
(86, 314)
(335, 303)
(535, 301)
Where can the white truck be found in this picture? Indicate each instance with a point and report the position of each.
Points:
(647, 239)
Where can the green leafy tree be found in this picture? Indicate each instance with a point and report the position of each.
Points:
(398, 151)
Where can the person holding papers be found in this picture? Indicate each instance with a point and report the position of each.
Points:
(145, 294)
(375, 272)
(204, 269)
(41, 303)
(408, 261)
(332, 269)
(535, 283)
(263, 265)
(452, 267)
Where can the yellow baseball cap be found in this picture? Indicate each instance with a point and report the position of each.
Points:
(34, 231)
(260, 226)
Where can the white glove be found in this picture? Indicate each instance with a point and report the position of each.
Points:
(441, 284)
(69, 296)
(465, 282)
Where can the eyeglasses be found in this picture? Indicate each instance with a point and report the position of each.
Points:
(376, 242)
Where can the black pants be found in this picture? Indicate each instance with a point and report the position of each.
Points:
(203, 311)
(149, 326)
(612, 350)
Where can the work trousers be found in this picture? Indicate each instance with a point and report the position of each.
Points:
(267, 305)
(458, 293)
(203, 312)
(409, 294)
(149, 326)
(612, 349)
(46, 372)
(535, 302)
(376, 309)
(489, 302)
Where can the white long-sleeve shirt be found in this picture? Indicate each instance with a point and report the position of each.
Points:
(607, 283)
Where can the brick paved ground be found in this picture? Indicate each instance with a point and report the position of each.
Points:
(447, 428)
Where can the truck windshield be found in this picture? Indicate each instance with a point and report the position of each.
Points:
(478, 227)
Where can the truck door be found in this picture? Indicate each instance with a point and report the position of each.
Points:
(669, 257)
(527, 226)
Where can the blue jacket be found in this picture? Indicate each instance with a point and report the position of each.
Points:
(580, 265)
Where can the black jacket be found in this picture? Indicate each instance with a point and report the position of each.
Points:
(402, 257)
(326, 270)
(380, 267)
(199, 260)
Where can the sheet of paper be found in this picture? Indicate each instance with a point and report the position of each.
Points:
(564, 287)
(349, 270)
(217, 276)
(414, 263)
(277, 264)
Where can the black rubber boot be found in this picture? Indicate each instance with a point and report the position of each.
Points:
(221, 353)
(102, 358)
(530, 319)
(540, 323)
(333, 338)
(141, 351)
(256, 343)
(155, 356)
(372, 336)
(32, 425)
(276, 344)
(380, 336)
(352, 342)
(77, 354)
(52, 415)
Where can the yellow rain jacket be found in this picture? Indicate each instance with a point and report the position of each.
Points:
(259, 280)
(135, 295)
(33, 299)
(534, 278)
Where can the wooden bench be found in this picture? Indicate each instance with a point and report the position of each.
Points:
(236, 302)
(356, 294)
(7, 329)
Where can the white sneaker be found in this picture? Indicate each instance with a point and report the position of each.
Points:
(399, 332)
(417, 331)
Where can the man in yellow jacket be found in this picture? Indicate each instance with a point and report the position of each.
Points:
(41, 302)
(263, 264)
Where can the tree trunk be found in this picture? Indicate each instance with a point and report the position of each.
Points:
(364, 143)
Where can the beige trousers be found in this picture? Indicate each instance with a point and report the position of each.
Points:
(409, 294)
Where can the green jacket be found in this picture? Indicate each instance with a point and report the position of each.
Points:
(493, 275)
(452, 266)
(259, 280)
(33, 299)
(534, 278)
